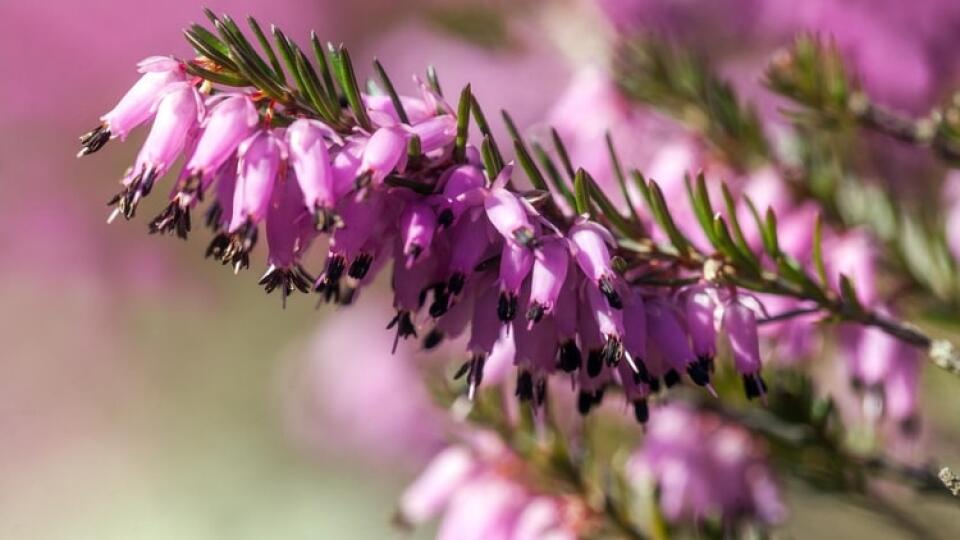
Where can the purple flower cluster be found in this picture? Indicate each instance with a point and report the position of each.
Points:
(705, 467)
(468, 249)
(482, 491)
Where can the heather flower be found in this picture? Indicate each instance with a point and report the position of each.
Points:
(516, 262)
(435, 133)
(230, 120)
(310, 161)
(705, 467)
(462, 189)
(551, 259)
(672, 343)
(178, 113)
(740, 325)
(136, 106)
(417, 225)
(591, 243)
(261, 162)
(477, 490)
(289, 233)
(701, 310)
(470, 244)
(507, 212)
(609, 323)
(385, 151)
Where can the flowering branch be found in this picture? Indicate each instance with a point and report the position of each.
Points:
(557, 281)
(812, 74)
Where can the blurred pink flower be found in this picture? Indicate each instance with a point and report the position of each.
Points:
(705, 467)
(350, 371)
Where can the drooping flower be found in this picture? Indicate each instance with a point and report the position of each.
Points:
(591, 241)
(740, 325)
(551, 259)
(137, 105)
(178, 114)
(231, 120)
(289, 233)
(310, 160)
(261, 163)
(385, 151)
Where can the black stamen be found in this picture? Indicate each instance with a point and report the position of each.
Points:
(405, 327)
(594, 363)
(654, 384)
(584, 403)
(671, 379)
(432, 339)
(360, 266)
(641, 411)
(524, 390)
(753, 385)
(535, 312)
(507, 306)
(174, 219)
(608, 290)
(445, 218)
(456, 282)
(441, 301)
(612, 352)
(698, 374)
(288, 280)
(234, 248)
(570, 359)
(94, 140)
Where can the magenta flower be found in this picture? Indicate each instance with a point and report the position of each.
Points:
(289, 233)
(261, 162)
(417, 225)
(590, 241)
(230, 120)
(462, 189)
(480, 495)
(136, 106)
(705, 467)
(740, 324)
(385, 151)
(310, 160)
(672, 343)
(470, 245)
(700, 316)
(507, 212)
(516, 262)
(551, 259)
(178, 114)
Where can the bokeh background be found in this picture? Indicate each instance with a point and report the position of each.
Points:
(147, 393)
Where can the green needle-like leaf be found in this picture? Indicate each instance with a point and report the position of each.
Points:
(557, 181)
(329, 85)
(463, 125)
(581, 193)
(562, 152)
(701, 209)
(210, 46)
(433, 80)
(738, 236)
(347, 77)
(391, 91)
(267, 48)
(484, 127)
(621, 179)
(219, 77)
(818, 251)
(607, 208)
